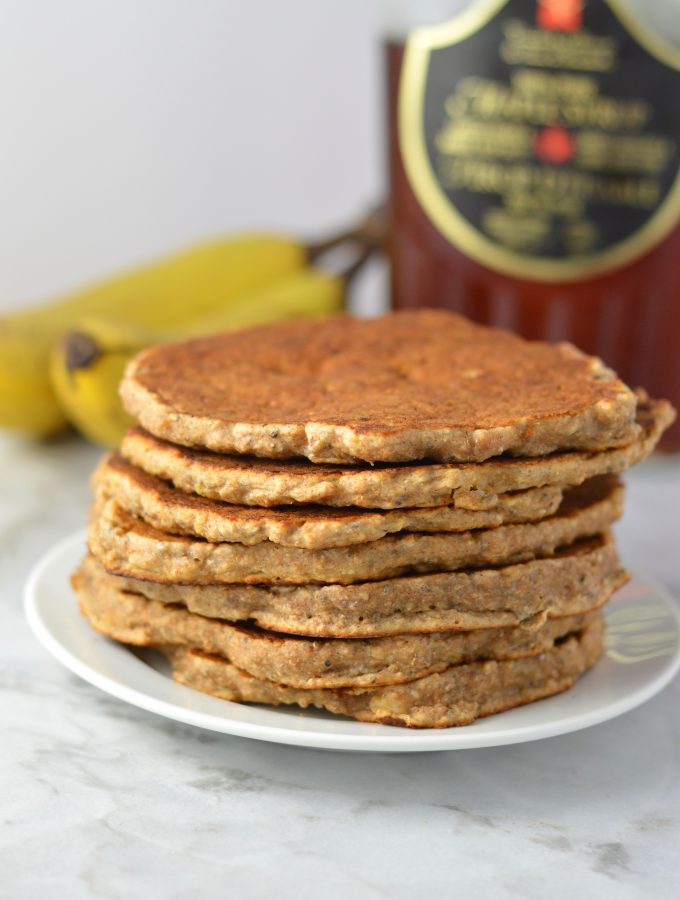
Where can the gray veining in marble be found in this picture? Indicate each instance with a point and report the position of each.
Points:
(101, 800)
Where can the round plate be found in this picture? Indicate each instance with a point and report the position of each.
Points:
(642, 655)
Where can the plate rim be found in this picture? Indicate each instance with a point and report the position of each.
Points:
(395, 740)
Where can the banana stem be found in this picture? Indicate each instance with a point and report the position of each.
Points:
(371, 231)
(347, 275)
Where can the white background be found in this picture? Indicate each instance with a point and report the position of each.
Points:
(130, 127)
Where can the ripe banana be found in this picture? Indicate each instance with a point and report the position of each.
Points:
(83, 367)
(179, 287)
(162, 296)
(27, 402)
(87, 365)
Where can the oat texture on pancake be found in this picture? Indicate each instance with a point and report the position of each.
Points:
(312, 663)
(576, 579)
(407, 521)
(250, 481)
(130, 546)
(456, 696)
(311, 527)
(404, 387)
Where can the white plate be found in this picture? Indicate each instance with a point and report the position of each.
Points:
(643, 654)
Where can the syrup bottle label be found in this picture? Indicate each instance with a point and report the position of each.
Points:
(542, 137)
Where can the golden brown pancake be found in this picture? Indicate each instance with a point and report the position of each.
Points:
(258, 482)
(310, 527)
(456, 696)
(303, 662)
(576, 579)
(407, 386)
(129, 546)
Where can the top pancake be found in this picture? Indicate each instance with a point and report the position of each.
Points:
(404, 387)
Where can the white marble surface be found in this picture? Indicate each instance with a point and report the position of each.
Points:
(99, 799)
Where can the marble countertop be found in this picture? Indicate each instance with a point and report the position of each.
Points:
(102, 800)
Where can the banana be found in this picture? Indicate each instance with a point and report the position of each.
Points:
(165, 295)
(87, 365)
(27, 402)
(309, 292)
(84, 368)
(178, 288)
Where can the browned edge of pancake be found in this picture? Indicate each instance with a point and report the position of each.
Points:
(301, 662)
(457, 696)
(310, 527)
(576, 579)
(131, 547)
(256, 482)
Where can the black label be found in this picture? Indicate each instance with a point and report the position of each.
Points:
(542, 137)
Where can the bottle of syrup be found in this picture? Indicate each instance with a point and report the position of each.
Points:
(535, 172)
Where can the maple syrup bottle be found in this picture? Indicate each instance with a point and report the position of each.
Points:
(534, 172)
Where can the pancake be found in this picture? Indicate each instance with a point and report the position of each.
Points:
(575, 580)
(305, 662)
(456, 696)
(257, 482)
(408, 386)
(128, 546)
(310, 527)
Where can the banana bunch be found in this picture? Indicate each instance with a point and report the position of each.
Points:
(61, 363)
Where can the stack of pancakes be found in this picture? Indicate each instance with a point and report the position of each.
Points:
(405, 520)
